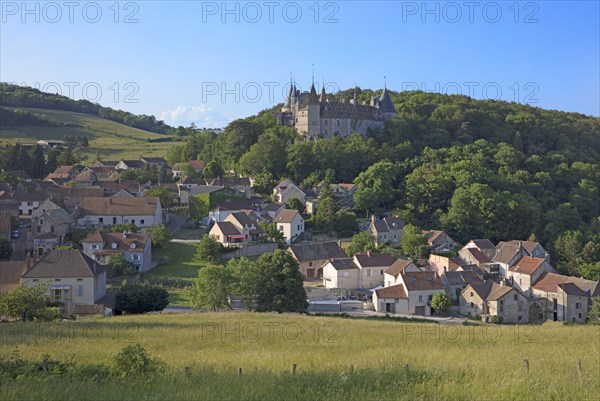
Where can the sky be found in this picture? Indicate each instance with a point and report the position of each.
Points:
(210, 62)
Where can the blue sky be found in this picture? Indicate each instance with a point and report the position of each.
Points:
(212, 62)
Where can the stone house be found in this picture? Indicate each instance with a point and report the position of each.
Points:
(494, 299)
(286, 190)
(136, 249)
(312, 257)
(527, 271)
(50, 223)
(439, 241)
(412, 295)
(387, 230)
(456, 281)
(392, 273)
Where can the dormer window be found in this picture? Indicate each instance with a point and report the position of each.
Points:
(113, 245)
(132, 246)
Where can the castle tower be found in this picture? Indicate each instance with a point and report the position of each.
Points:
(287, 106)
(323, 98)
(385, 105)
(313, 112)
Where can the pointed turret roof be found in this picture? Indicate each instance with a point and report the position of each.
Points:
(323, 97)
(385, 102)
(312, 96)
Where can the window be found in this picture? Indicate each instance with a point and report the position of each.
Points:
(516, 297)
(39, 229)
(280, 228)
(420, 298)
(472, 305)
(346, 274)
(136, 257)
(113, 245)
(142, 221)
(368, 272)
(577, 305)
(56, 279)
(430, 297)
(310, 264)
(79, 279)
(471, 293)
(520, 306)
(125, 221)
(381, 272)
(80, 290)
(132, 221)
(51, 229)
(100, 219)
(298, 227)
(580, 315)
(35, 279)
(338, 123)
(41, 222)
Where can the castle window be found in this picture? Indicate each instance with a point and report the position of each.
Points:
(338, 123)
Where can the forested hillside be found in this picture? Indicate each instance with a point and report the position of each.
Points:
(15, 95)
(477, 168)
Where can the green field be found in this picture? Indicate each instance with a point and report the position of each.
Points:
(177, 270)
(115, 141)
(391, 360)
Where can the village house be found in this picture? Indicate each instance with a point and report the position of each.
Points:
(50, 223)
(372, 268)
(290, 223)
(136, 248)
(286, 190)
(157, 161)
(223, 209)
(106, 212)
(478, 251)
(491, 299)
(387, 230)
(29, 199)
(411, 296)
(563, 298)
(312, 257)
(63, 174)
(271, 210)
(10, 274)
(392, 273)
(341, 273)
(456, 281)
(178, 168)
(237, 228)
(439, 241)
(443, 264)
(527, 271)
(342, 192)
(73, 278)
(52, 143)
(136, 165)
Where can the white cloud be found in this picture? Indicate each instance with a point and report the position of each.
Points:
(203, 117)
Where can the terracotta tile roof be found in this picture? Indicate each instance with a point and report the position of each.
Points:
(422, 281)
(478, 255)
(527, 265)
(286, 216)
(398, 267)
(123, 242)
(120, 206)
(197, 164)
(375, 259)
(394, 292)
(64, 263)
(549, 282)
(325, 250)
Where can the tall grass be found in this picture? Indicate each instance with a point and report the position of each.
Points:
(391, 360)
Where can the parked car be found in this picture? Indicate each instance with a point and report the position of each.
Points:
(16, 233)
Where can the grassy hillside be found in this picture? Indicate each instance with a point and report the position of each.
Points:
(115, 140)
(444, 362)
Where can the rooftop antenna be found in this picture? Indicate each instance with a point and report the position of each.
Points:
(313, 74)
(384, 82)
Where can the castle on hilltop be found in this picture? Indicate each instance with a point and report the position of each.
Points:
(315, 117)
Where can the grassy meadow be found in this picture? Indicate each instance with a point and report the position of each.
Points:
(115, 141)
(391, 360)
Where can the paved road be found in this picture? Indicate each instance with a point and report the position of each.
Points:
(20, 246)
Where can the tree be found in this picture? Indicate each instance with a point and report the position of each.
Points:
(161, 235)
(38, 166)
(271, 230)
(212, 169)
(129, 227)
(141, 298)
(264, 183)
(245, 280)
(209, 249)
(281, 286)
(199, 206)
(325, 215)
(568, 246)
(211, 288)
(345, 223)
(590, 271)
(117, 266)
(295, 204)
(377, 186)
(6, 249)
(413, 243)
(66, 158)
(362, 242)
(28, 303)
(594, 312)
(441, 301)
(165, 196)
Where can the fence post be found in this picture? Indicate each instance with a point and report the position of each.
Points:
(294, 369)
(239, 371)
(579, 368)
(351, 369)
(526, 364)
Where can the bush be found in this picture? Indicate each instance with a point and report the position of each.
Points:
(497, 319)
(141, 298)
(133, 360)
